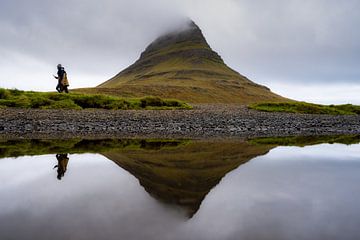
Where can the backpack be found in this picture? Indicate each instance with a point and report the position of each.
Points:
(64, 80)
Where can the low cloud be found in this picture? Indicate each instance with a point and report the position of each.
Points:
(268, 41)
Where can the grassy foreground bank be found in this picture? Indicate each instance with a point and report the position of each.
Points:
(42, 100)
(302, 141)
(16, 148)
(23, 147)
(309, 108)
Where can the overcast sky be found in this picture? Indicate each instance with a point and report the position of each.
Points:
(303, 49)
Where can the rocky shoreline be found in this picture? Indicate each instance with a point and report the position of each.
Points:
(204, 121)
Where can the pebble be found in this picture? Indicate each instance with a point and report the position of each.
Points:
(204, 121)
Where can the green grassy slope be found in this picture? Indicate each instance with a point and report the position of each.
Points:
(31, 147)
(182, 65)
(302, 141)
(308, 108)
(25, 99)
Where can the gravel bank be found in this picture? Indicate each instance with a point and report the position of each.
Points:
(205, 121)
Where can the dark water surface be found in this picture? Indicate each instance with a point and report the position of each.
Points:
(161, 189)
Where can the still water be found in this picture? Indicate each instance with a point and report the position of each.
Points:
(139, 189)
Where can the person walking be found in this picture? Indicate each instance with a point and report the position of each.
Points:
(63, 82)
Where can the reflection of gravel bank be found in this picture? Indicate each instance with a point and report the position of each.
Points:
(203, 121)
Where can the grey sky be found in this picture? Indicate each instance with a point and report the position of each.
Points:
(280, 43)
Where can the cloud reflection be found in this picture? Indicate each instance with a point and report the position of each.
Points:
(289, 193)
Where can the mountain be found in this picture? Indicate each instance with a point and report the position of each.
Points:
(182, 65)
(183, 175)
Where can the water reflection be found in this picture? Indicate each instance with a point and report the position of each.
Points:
(193, 189)
(176, 172)
(184, 176)
(63, 161)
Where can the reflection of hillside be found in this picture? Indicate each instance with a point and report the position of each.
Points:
(16, 148)
(179, 172)
(306, 140)
(184, 176)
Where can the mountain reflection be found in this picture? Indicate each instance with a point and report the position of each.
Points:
(175, 172)
(183, 176)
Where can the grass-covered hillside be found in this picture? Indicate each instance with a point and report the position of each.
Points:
(302, 141)
(13, 98)
(16, 148)
(182, 65)
(309, 108)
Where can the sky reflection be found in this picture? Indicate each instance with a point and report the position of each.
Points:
(290, 193)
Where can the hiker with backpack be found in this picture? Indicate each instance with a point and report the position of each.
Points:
(63, 82)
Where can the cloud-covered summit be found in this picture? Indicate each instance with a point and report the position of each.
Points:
(272, 42)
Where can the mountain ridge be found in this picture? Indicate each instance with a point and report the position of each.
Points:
(182, 65)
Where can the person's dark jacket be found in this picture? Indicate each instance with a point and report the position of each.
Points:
(60, 74)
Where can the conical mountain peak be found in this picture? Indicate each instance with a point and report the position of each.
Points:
(181, 64)
(188, 34)
(187, 43)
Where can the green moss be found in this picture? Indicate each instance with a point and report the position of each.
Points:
(348, 108)
(18, 102)
(308, 108)
(16, 148)
(62, 104)
(152, 102)
(306, 140)
(40, 102)
(4, 93)
(16, 92)
(156, 102)
(99, 101)
(21, 99)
